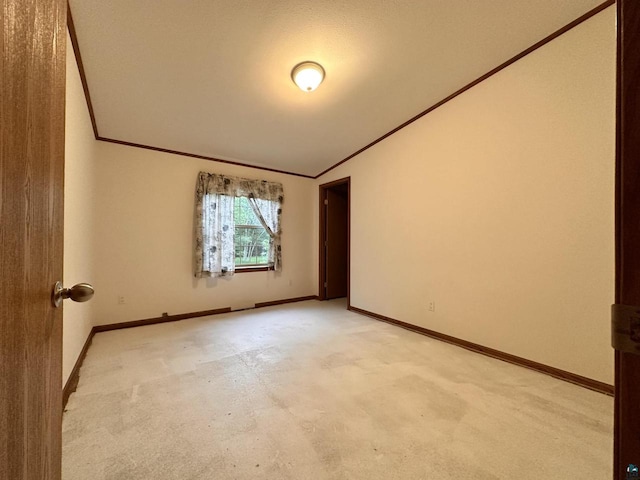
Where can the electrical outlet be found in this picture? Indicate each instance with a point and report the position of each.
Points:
(432, 306)
(121, 300)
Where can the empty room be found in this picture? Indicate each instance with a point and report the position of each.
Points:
(320, 240)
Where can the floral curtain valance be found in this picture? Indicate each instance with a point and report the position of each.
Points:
(215, 226)
(211, 183)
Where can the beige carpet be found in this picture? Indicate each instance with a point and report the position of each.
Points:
(312, 391)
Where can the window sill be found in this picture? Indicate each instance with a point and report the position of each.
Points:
(252, 269)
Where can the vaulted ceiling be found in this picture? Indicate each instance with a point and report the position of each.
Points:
(212, 77)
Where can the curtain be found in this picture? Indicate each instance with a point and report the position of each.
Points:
(214, 223)
(268, 213)
(216, 243)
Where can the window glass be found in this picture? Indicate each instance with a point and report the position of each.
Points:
(251, 239)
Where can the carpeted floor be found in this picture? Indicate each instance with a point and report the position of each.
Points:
(312, 391)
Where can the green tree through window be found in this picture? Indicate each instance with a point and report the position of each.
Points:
(251, 239)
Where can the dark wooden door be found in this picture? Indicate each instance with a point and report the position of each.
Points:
(32, 71)
(627, 365)
(337, 245)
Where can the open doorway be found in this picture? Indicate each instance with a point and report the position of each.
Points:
(335, 222)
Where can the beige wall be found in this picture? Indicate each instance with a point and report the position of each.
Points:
(145, 230)
(78, 214)
(498, 207)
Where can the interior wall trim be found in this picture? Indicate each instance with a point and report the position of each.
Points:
(83, 77)
(576, 379)
(286, 300)
(490, 73)
(72, 382)
(201, 157)
(162, 319)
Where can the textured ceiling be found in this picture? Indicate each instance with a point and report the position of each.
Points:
(212, 77)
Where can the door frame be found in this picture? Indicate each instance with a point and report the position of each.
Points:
(627, 277)
(322, 256)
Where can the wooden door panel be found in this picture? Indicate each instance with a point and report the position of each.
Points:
(31, 194)
(337, 245)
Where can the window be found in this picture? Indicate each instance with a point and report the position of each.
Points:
(252, 241)
(237, 224)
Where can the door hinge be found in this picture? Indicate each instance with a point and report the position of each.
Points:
(325, 284)
(625, 328)
(326, 201)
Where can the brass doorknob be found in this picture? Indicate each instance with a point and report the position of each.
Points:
(80, 292)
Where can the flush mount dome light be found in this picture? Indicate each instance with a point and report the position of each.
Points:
(307, 75)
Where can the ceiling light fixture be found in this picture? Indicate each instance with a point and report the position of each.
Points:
(307, 75)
